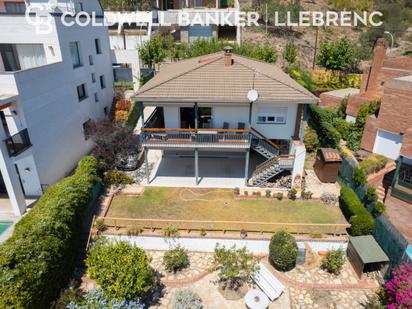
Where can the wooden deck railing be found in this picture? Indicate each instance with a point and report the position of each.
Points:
(296, 228)
(264, 138)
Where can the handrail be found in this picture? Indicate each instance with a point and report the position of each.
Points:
(265, 138)
(270, 161)
(193, 130)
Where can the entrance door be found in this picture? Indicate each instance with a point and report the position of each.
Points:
(187, 117)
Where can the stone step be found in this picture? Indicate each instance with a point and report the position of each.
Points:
(381, 193)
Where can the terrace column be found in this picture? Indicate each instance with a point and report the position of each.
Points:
(141, 107)
(146, 160)
(197, 166)
(196, 116)
(247, 166)
(250, 114)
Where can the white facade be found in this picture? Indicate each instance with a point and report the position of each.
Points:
(235, 113)
(45, 100)
(388, 144)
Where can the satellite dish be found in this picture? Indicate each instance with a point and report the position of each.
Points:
(53, 4)
(252, 95)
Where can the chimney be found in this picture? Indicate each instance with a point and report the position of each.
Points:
(228, 56)
(379, 53)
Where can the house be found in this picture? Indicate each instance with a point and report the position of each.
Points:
(167, 20)
(52, 85)
(381, 70)
(225, 119)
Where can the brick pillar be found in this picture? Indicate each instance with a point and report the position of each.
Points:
(379, 53)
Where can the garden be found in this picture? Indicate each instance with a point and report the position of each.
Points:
(202, 211)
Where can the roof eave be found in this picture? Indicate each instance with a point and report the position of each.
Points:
(218, 100)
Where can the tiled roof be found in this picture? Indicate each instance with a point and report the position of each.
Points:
(330, 155)
(206, 78)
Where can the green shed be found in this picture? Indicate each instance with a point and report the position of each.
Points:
(366, 255)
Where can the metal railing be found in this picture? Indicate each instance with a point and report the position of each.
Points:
(199, 137)
(18, 143)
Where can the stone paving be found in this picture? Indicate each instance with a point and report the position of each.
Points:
(314, 185)
(323, 299)
(199, 264)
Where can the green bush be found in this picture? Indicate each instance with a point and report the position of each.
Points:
(283, 251)
(344, 128)
(176, 259)
(333, 261)
(134, 114)
(116, 177)
(371, 195)
(362, 222)
(170, 231)
(374, 163)
(359, 176)
(279, 196)
(38, 259)
(321, 121)
(122, 270)
(292, 194)
(290, 53)
(100, 226)
(306, 195)
(379, 208)
(311, 140)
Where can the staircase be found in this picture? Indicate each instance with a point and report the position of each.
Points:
(273, 165)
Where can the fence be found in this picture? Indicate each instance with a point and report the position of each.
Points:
(346, 170)
(295, 228)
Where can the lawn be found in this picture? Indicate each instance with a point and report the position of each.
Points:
(219, 205)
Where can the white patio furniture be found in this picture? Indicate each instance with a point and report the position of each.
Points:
(269, 284)
(256, 299)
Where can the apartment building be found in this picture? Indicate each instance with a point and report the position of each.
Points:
(52, 85)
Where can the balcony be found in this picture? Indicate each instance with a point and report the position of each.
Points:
(156, 138)
(18, 143)
(402, 186)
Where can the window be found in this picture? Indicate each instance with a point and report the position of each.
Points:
(87, 129)
(91, 60)
(81, 92)
(15, 7)
(102, 82)
(273, 116)
(96, 97)
(93, 78)
(74, 51)
(98, 47)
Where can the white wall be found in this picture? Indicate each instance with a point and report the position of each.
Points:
(233, 114)
(388, 144)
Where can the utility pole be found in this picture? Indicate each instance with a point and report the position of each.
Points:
(316, 47)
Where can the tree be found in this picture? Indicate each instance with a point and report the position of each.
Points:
(290, 53)
(153, 52)
(112, 141)
(283, 251)
(122, 270)
(337, 55)
(235, 266)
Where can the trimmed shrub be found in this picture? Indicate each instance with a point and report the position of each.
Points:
(362, 222)
(374, 163)
(122, 270)
(176, 259)
(268, 193)
(279, 196)
(359, 177)
(344, 128)
(117, 177)
(306, 195)
(100, 226)
(311, 140)
(333, 261)
(283, 251)
(292, 194)
(371, 194)
(186, 299)
(236, 191)
(322, 122)
(170, 231)
(38, 259)
(379, 208)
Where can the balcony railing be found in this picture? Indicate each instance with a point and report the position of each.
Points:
(195, 138)
(18, 143)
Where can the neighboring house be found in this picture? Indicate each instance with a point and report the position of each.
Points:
(51, 87)
(373, 81)
(166, 16)
(390, 134)
(203, 112)
(125, 43)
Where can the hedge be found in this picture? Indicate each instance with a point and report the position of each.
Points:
(38, 259)
(134, 114)
(362, 222)
(322, 123)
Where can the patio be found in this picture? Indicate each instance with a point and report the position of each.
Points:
(225, 172)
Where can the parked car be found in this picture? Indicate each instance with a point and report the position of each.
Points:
(132, 160)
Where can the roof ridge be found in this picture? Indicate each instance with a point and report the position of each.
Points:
(306, 92)
(201, 64)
